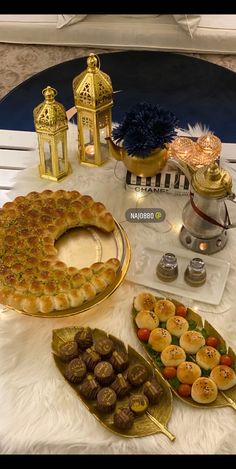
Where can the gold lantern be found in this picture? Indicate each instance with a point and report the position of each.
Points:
(51, 125)
(93, 95)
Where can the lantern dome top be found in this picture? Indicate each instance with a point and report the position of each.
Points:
(49, 94)
(93, 88)
(92, 62)
(50, 116)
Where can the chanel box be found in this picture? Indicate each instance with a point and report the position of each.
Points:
(170, 180)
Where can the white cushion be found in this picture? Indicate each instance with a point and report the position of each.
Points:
(188, 22)
(227, 22)
(214, 33)
(28, 19)
(66, 20)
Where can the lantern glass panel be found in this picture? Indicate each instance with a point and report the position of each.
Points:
(87, 140)
(61, 157)
(47, 157)
(89, 145)
(104, 131)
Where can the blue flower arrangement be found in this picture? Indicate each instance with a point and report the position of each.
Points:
(145, 128)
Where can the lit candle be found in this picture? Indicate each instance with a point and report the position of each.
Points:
(89, 150)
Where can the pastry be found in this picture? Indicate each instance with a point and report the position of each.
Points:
(208, 357)
(104, 373)
(32, 279)
(91, 358)
(68, 351)
(138, 403)
(121, 386)
(145, 301)
(204, 391)
(75, 371)
(84, 338)
(119, 361)
(123, 418)
(153, 391)
(137, 374)
(177, 325)
(173, 355)
(104, 347)
(106, 400)
(224, 376)
(159, 339)
(90, 387)
(188, 372)
(164, 309)
(147, 319)
(191, 341)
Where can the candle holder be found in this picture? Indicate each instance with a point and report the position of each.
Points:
(51, 125)
(93, 95)
(197, 154)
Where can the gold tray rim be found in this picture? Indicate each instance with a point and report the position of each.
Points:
(100, 297)
(229, 402)
(160, 428)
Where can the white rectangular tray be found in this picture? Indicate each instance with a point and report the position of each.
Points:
(143, 272)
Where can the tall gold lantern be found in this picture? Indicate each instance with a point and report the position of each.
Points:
(51, 125)
(93, 96)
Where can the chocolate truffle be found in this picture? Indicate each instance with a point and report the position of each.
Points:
(138, 403)
(123, 418)
(137, 374)
(121, 386)
(104, 347)
(119, 361)
(104, 373)
(106, 400)
(91, 358)
(68, 351)
(90, 387)
(153, 391)
(75, 370)
(84, 338)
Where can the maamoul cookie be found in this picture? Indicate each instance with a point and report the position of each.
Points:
(204, 391)
(224, 376)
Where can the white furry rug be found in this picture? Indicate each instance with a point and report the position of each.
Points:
(40, 413)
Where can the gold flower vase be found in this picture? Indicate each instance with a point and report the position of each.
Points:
(144, 167)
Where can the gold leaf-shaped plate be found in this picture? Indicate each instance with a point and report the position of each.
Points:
(157, 416)
(224, 398)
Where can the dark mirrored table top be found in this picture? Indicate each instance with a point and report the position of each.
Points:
(195, 90)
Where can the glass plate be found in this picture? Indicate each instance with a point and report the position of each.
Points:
(81, 247)
(143, 272)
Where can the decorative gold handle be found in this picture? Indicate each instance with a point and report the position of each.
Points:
(162, 428)
(229, 400)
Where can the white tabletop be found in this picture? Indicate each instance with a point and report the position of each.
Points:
(40, 413)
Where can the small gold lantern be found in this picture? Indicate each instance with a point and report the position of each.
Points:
(51, 125)
(93, 96)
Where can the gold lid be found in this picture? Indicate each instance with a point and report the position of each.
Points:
(92, 88)
(212, 181)
(50, 116)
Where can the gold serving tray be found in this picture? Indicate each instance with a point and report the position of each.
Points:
(153, 421)
(81, 247)
(224, 398)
